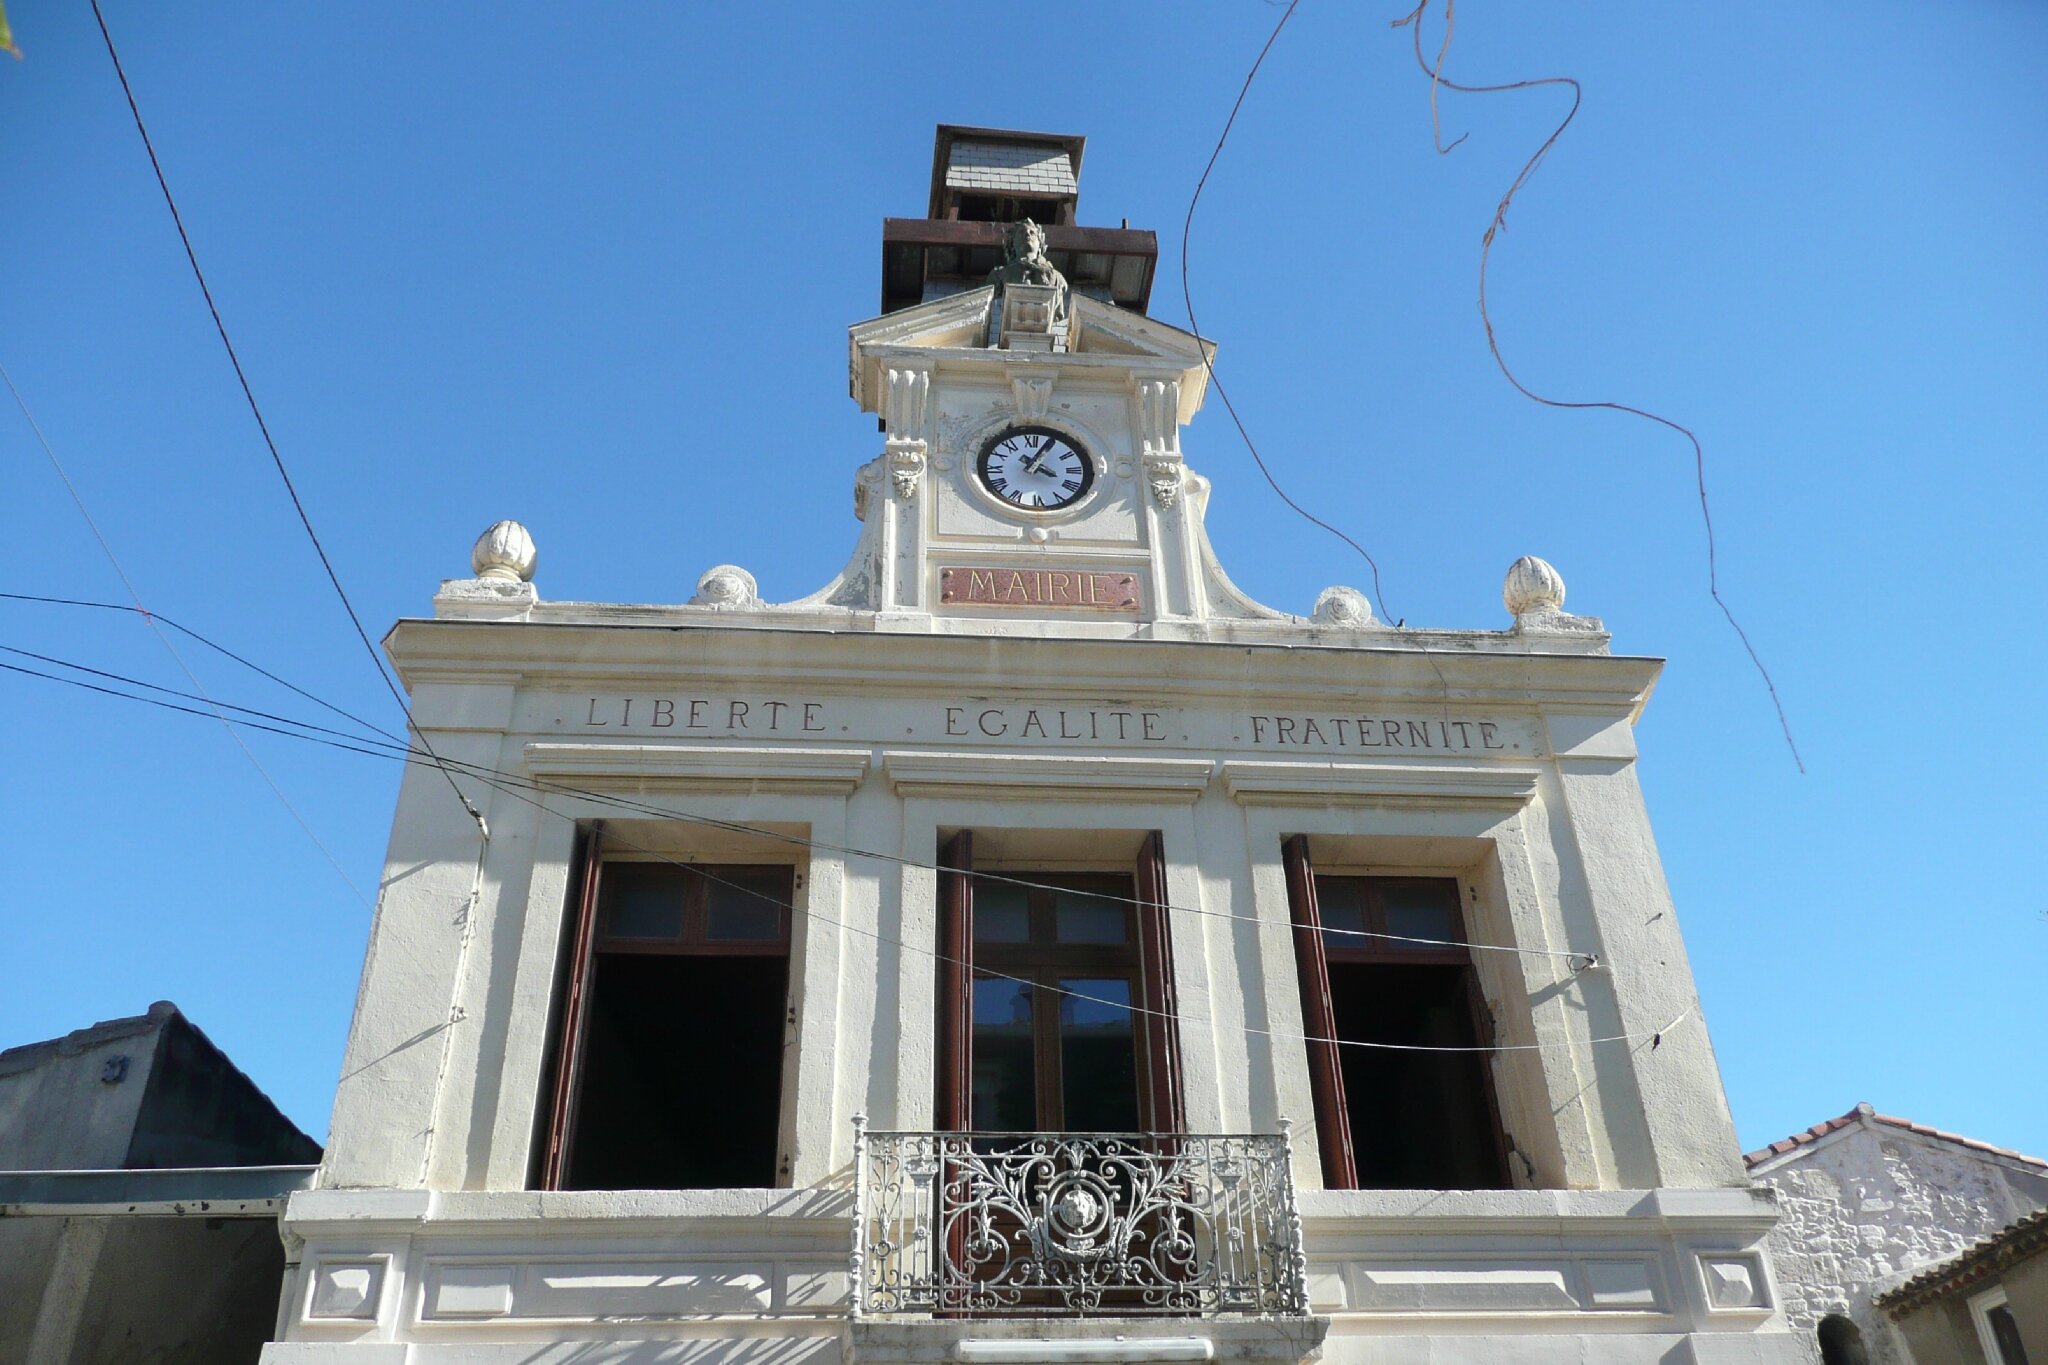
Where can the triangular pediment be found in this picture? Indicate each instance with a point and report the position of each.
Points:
(1105, 329)
(956, 327)
(957, 320)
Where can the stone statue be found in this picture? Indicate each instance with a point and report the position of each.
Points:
(1025, 262)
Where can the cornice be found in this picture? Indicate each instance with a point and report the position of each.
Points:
(1043, 776)
(701, 767)
(1258, 782)
(544, 655)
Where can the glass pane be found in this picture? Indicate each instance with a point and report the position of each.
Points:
(744, 906)
(1341, 903)
(1081, 918)
(1005, 1096)
(1098, 1056)
(641, 901)
(1419, 912)
(1002, 912)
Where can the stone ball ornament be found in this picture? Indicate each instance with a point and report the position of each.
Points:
(504, 553)
(726, 586)
(1532, 586)
(1342, 606)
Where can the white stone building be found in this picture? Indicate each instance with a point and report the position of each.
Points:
(1866, 1201)
(693, 1041)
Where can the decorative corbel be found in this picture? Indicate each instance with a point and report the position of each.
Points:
(905, 412)
(1159, 417)
(906, 467)
(1033, 393)
(1164, 474)
(904, 402)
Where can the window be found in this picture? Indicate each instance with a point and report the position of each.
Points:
(668, 1070)
(1055, 1000)
(1382, 960)
(1998, 1332)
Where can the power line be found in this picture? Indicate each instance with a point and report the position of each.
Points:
(106, 548)
(249, 394)
(215, 646)
(1187, 298)
(518, 789)
(1576, 961)
(1499, 225)
(174, 692)
(1209, 368)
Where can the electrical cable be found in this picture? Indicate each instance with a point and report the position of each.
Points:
(107, 549)
(1499, 225)
(519, 791)
(174, 692)
(1187, 298)
(1654, 1036)
(1576, 961)
(249, 394)
(216, 647)
(1209, 368)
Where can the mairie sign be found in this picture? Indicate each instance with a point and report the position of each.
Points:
(1066, 589)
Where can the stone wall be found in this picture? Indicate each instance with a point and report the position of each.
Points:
(1867, 1205)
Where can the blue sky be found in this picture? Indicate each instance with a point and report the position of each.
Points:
(590, 267)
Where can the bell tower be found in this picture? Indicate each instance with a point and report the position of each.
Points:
(1032, 465)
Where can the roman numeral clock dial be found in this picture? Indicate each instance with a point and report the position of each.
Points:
(1035, 468)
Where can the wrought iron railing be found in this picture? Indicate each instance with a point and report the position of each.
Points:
(1112, 1224)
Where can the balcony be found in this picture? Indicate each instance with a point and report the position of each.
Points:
(1066, 1225)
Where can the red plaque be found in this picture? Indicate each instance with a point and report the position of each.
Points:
(1059, 589)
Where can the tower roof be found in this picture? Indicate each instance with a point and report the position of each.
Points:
(985, 178)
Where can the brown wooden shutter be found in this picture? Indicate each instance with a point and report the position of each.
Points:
(1166, 1105)
(1319, 1017)
(1482, 1068)
(956, 985)
(575, 1014)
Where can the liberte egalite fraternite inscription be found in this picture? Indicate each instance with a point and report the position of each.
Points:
(1073, 589)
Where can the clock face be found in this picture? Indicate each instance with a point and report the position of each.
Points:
(1035, 468)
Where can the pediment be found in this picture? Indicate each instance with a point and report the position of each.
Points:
(955, 328)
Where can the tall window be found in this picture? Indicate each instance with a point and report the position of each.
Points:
(1055, 1001)
(668, 1070)
(1383, 962)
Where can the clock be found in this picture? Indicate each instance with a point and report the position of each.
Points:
(1035, 468)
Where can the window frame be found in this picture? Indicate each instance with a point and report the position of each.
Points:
(1316, 949)
(1145, 960)
(1042, 961)
(1981, 1305)
(584, 942)
(695, 939)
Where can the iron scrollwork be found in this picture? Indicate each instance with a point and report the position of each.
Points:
(1077, 1223)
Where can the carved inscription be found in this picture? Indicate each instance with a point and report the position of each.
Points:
(756, 715)
(1377, 732)
(1065, 589)
(1045, 722)
(1082, 726)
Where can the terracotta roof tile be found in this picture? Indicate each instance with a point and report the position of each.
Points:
(1995, 1253)
(1863, 1111)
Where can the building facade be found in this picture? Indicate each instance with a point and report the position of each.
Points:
(1026, 947)
(141, 1179)
(1868, 1201)
(1985, 1306)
